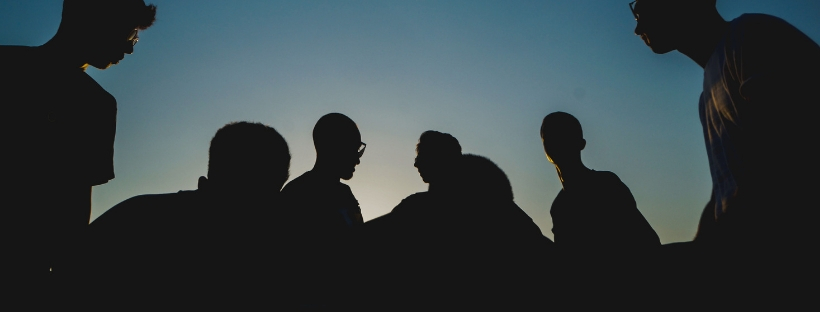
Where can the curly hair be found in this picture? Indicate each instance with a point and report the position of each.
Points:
(131, 12)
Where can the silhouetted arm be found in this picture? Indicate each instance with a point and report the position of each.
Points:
(707, 221)
(630, 222)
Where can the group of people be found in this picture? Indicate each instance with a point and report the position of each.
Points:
(246, 238)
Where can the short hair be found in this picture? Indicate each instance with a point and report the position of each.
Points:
(106, 12)
(332, 129)
(440, 144)
(241, 150)
(685, 5)
(483, 177)
(563, 124)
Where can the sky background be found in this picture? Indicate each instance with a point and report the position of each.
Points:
(486, 72)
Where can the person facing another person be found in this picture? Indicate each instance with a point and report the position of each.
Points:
(594, 211)
(62, 133)
(321, 214)
(465, 233)
(213, 247)
(759, 78)
(759, 86)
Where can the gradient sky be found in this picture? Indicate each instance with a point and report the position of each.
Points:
(485, 71)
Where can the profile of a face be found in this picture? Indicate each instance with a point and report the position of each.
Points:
(422, 163)
(106, 48)
(349, 157)
(657, 24)
(347, 151)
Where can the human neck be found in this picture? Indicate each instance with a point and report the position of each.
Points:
(58, 51)
(704, 38)
(324, 171)
(571, 173)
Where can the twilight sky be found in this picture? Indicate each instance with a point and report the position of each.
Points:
(486, 72)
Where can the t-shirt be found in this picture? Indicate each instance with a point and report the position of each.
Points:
(61, 123)
(758, 89)
(321, 204)
(599, 212)
(318, 217)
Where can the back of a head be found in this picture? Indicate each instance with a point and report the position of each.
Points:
(334, 131)
(562, 138)
(251, 155)
(439, 145)
(480, 176)
(105, 13)
(561, 126)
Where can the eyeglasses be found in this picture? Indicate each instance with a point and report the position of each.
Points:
(133, 37)
(361, 149)
(632, 8)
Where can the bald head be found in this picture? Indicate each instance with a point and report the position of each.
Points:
(338, 142)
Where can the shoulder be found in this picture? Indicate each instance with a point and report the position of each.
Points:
(140, 209)
(412, 200)
(763, 29)
(15, 53)
(17, 60)
(606, 178)
(305, 180)
(297, 185)
(755, 20)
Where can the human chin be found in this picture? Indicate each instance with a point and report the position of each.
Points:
(102, 64)
(657, 44)
(348, 175)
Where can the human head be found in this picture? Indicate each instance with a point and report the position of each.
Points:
(665, 25)
(436, 153)
(562, 137)
(248, 158)
(337, 141)
(99, 29)
(481, 177)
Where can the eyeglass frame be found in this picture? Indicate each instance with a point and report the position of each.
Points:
(632, 8)
(362, 147)
(133, 37)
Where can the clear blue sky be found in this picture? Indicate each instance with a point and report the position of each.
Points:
(485, 71)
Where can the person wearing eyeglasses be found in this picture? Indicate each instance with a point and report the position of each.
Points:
(321, 212)
(59, 132)
(759, 87)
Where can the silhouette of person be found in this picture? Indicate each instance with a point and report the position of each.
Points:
(594, 211)
(759, 78)
(465, 234)
(754, 66)
(437, 158)
(322, 212)
(501, 252)
(62, 134)
(211, 247)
